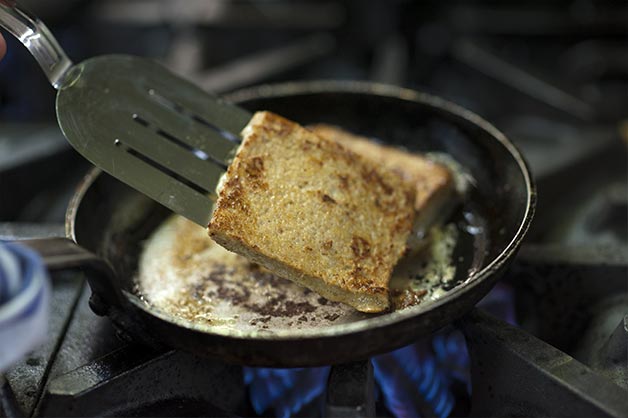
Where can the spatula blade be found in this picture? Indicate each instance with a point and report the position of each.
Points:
(153, 130)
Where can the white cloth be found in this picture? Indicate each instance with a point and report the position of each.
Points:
(24, 302)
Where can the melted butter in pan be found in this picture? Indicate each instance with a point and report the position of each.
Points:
(185, 274)
(423, 274)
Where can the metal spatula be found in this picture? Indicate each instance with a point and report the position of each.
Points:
(136, 120)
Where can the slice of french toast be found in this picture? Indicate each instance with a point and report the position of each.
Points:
(313, 211)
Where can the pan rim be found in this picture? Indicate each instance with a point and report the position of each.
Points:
(336, 330)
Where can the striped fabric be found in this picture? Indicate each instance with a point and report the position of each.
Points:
(24, 302)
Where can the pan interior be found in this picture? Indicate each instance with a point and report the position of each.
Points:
(115, 221)
(183, 273)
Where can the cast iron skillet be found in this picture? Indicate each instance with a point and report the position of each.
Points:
(109, 219)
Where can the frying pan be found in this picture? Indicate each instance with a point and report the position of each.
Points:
(109, 221)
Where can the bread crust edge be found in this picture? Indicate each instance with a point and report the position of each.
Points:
(364, 302)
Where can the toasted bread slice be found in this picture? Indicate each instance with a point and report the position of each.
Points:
(433, 182)
(314, 212)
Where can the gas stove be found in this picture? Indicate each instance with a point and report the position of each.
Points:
(550, 340)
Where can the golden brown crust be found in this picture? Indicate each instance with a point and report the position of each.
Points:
(428, 177)
(433, 182)
(313, 211)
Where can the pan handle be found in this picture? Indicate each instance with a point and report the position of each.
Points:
(64, 254)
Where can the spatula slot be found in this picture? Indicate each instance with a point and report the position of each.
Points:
(140, 156)
(226, 134)
(192, 115)
(198, 153)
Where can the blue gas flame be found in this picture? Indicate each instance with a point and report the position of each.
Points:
(412, 384)
(450, 349)
(284, 391)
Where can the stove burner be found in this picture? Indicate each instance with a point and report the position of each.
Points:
(415, 380)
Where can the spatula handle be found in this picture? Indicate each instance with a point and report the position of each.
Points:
(35, 36)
